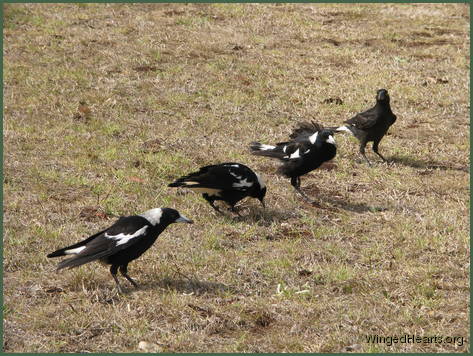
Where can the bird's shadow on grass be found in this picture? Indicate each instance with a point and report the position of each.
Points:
(331, 201)
(188, 286)
(415, 163)
(340, 203)
(266, 216)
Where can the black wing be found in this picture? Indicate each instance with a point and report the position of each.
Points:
(303, 140)
(305, 129)
(62, 251)
(124, 233)
(364, 120)
(283, 150)
(293, 149)
(225, 176)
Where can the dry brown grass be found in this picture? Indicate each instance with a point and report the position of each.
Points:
(169, 88)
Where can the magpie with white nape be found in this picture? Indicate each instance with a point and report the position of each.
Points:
(230, 182)
(127, 239)
(371, 125)
(311, 146)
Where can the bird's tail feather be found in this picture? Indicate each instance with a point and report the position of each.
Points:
(343, 129)
(58, 253)
(177, 183)
(260, 149)
(80, 260)
(184, 182)
(64, 251)
(256, 146)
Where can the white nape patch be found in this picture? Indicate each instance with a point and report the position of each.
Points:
(242, 183)
(153, 215)
(331, 140)
(264, 147)
(261, 182)
(313, 138)
(74, 251)
(344, 128)
(123, 239)
(295, 154)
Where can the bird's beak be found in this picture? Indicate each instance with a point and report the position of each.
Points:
(263, 204)
(183, 219)
(381, 95)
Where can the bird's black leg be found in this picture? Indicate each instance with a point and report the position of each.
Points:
(123, 270)
(113, 271)
(375, 149)
(362, 151)
(296, 183)
(211, 202)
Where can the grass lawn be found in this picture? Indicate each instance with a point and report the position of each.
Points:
(105, 104)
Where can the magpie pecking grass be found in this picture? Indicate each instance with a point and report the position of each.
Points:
(230, 182)
(311, 145)
(127, 239)
(371, 125)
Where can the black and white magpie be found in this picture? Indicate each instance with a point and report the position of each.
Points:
(311, 146)
(372, 124)
(127, 239)
(230, 182)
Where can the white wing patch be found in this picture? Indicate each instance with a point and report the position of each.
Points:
(74, 251)
(331, 140)
(124, 238)
(295, 154)
(242, 183)
(313, 138)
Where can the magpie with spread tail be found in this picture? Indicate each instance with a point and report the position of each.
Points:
(127, 239)
(311, 146)
(371, 125)
(230, 182)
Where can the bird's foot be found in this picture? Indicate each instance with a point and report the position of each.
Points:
(381, 156)
(129, 279)
(309, 201)
(217, 209)
(233, 209)
(386, 161)
(120, 290)
(304, 196)
(316, 204)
